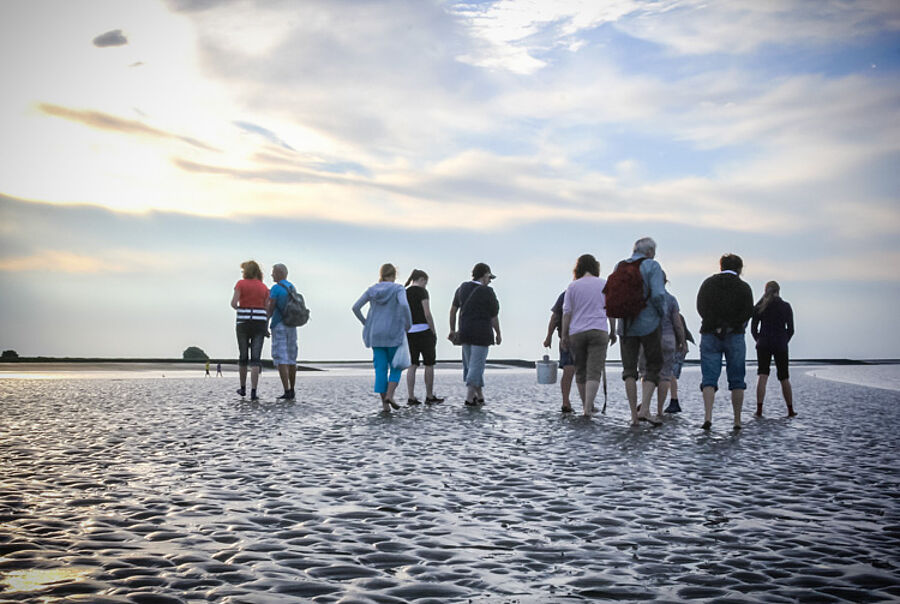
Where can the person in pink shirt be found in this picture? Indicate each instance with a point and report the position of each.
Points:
(586, 329)
(249, 300)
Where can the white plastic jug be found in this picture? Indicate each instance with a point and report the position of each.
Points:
(546, 370)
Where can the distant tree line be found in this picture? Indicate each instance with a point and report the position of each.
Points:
(194, 353)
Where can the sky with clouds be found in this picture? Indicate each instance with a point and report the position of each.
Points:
(150, 147)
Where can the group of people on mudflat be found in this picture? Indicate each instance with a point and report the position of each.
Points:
(631, 307)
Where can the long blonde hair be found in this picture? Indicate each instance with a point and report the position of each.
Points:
(772, 292)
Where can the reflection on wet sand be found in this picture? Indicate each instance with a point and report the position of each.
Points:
(176, 490)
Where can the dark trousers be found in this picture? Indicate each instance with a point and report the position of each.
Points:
(250, 337)
(630, 349)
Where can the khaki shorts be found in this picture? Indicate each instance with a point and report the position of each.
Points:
(589, 348)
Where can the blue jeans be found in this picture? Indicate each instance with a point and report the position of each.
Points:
(381, 359)
(734, 348)
(474, 357)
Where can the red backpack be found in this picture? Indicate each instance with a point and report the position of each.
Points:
(625, 291)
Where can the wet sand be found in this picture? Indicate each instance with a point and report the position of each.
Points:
(176, 490)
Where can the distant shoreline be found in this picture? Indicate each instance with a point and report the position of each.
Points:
(311, 365)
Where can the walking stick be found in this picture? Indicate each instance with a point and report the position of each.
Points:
(603, 411)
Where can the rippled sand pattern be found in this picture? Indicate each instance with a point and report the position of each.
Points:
(173, 490)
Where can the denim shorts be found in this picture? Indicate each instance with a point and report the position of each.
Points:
(734, 347)
(284, 345)
(474, 358)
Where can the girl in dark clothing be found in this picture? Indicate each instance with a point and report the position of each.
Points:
(421, 336)
(772, 328)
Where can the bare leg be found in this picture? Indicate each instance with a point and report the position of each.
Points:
(761, 382)
(590, 393)
(661, 392)
(788, 394)
(254, 377)
(471, 394)
(649, 388)
(284, 372)
(411, 380)
(391, 389)
(709, 396)
(242, 374)
(565, 385)
(673, 385)
(385, 406)
(581, 390)
(737, 402)
(292, 375)
(429, 380)
(631, 393)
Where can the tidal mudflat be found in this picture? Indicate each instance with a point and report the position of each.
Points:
(176, 490)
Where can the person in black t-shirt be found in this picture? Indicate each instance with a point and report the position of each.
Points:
(422, 337)
(479, 328)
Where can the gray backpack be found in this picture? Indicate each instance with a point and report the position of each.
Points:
(294, 313)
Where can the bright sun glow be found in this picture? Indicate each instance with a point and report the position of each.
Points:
(19, 581)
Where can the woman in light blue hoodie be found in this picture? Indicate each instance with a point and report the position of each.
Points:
(384, 330)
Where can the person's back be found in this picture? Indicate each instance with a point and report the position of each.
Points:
(414, 297)
(478, 306)
(725, 304)
(279, 293)
(671, 315)
(388, 317)
(586, 303)
(648, 319)
(776, 323)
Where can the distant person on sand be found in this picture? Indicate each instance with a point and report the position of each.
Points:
(586, 329)
(725, 304)
(772, 327)
(479, 328)
(384, 330)
(218, 369)
(566, 360)
(635, 292)
(680, 355)
(249, 300)
(207, 368)
(422, 337)
(284, 338)
(672, 341)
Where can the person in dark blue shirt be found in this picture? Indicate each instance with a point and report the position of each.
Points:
(772, 327)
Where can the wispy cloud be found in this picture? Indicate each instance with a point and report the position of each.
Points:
(52, 261)
(105, 121)
(267, 135)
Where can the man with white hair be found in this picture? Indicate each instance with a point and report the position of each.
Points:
(284, 338)
(635, 293)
